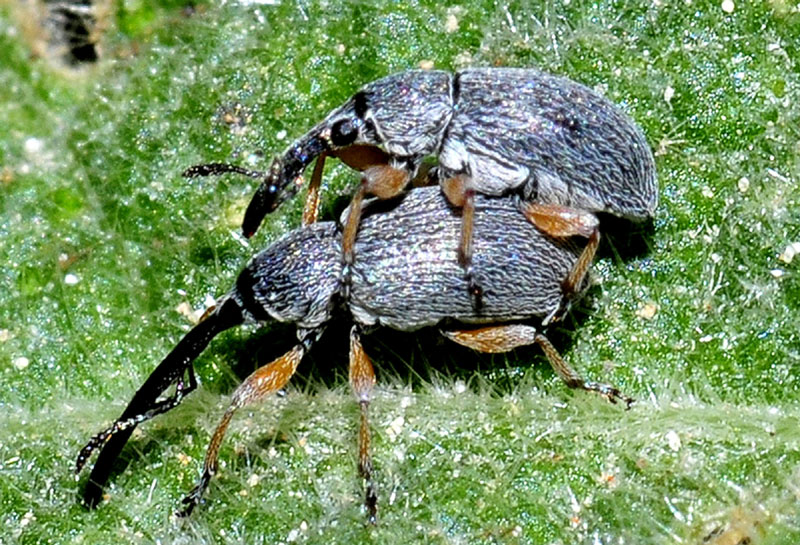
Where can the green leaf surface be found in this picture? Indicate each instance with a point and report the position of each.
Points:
(105, 249)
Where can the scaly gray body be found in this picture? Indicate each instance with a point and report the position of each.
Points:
(406, 275)
(561, 142)
(506, 129)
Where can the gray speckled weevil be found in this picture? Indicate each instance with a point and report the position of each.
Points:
(406, 276)
(568, 151)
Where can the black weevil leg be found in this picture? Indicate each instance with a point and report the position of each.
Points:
(262, 382)
(495, 339)
(159, 407)
(362, 380)
(145, 404)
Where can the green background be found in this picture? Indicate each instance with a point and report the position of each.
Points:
(101, 242)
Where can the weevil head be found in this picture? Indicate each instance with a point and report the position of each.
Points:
(295, 279)
(404, 114)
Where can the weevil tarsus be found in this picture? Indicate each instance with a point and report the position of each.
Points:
(145, 403)
(502, 338)
(571, 377)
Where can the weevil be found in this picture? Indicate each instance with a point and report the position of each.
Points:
(568, 151)
(406, 277)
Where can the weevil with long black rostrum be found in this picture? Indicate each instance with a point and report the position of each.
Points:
(406, 276)
(569, 152)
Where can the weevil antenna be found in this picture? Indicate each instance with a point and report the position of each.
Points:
(217, 169)
(145, 404)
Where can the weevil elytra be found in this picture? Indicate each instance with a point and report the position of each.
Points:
(406, 276)
(567, 150)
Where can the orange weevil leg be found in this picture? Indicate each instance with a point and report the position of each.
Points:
(457, 192)
(351, 224)
(257, 386)
(383, 181)
(467, 225)
(561, 222)
(572, 284)
(502, 338)
(362, 379)
(311, 208)
(493, 339)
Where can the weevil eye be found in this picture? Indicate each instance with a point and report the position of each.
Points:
(343, 133)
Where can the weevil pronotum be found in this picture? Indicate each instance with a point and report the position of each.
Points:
(568, 151)
(406, 276)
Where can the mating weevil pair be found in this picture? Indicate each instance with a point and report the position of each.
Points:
(406, 276)
(563, 151)
(567, 151)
